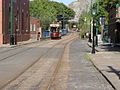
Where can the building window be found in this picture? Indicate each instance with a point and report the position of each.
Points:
(22, 21)
(9, 9)
(31, 27)
(34, 28)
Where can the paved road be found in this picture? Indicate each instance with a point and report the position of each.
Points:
(83, 76)
(51, 65)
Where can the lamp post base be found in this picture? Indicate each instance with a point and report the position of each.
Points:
(93, 51)
(11, 40)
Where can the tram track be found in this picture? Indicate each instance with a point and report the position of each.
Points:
(46, 82)
(58, 43)
(54, 65)
(58, 65)
(20, 46)
(16, 53)
(24, 50)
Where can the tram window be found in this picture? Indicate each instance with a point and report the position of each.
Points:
(53, 29)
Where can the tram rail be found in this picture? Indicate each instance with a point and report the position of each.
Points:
(58, 43)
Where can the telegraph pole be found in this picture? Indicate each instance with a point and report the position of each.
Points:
(11, 23)
(93, 41)
(97, 24)
(94, 29)
(90, 40)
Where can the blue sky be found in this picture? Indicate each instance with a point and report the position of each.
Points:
(64, 1)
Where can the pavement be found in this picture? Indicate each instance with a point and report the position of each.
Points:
(107, 61)
(6, 47)
(83, 75)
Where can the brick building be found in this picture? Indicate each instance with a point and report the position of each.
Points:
(35, 27)
(21, 30)
(114, 24)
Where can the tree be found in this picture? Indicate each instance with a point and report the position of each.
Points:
(104, 7)
(84, 23)
(49, 11)
(42, 10)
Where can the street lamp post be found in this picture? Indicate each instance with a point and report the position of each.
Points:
(94, 30)
(97, 24)
(90, 40)
(11, 24)
(93, 41)
(62, 22)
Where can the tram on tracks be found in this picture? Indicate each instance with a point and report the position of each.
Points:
(55, 30)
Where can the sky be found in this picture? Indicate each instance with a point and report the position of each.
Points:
(66, 2)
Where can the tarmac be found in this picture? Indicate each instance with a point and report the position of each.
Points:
(107, 62)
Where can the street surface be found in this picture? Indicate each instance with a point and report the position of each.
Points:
(50, 65)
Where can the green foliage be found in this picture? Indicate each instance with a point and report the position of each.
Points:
(48, 11)
(104, 6)
(102, 9)
(63, 10)
(84, 23)
(42, 10)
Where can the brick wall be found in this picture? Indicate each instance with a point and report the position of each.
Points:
(21, 21)
(114, 26)
(1, 40)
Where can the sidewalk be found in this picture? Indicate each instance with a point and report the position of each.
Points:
(19, 43)
(107, 61)
(22, 43)
(6, 47)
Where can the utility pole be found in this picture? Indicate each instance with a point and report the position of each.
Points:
(11, 23)
(62, 21)
(97, 23)
(90, 40)
(93, 41)
(94, 29)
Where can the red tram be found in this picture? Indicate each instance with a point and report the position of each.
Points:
(55, 31)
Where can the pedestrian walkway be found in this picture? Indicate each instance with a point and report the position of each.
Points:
(107, 61)
(82, 74)
(5, 47)
(18, 43)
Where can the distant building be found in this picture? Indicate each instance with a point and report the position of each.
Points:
(21, 30)
(35, 27)
(114, 24)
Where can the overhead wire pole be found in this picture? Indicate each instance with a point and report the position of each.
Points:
(90, 33)
(97, 24)
(11, 23)
(93, 28)
(62, 18)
